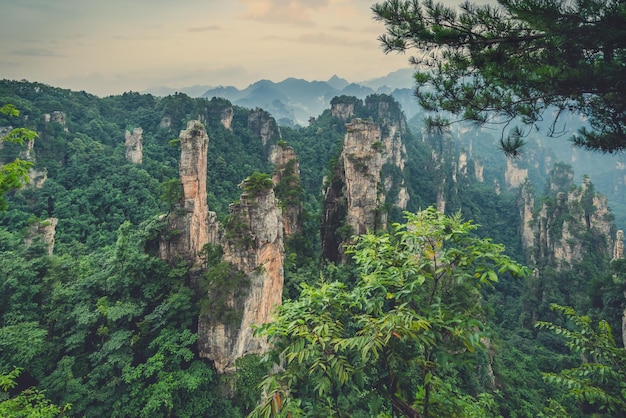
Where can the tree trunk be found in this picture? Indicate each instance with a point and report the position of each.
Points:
(404, 408)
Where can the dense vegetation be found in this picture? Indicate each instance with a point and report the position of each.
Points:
(104, 325)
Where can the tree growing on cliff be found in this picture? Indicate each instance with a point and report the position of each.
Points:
(14, 174)
(395, 340)
(522, 59)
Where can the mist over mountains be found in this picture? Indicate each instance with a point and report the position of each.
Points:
(294, 101)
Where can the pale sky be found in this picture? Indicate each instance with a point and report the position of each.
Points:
(111, 46)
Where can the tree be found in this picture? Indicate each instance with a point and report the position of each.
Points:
(599, 382)
(14, 175)
(521, 59)
(396, 338)
(30, 403)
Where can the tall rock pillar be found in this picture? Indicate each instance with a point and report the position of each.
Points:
(134, 146)
(286, 179)
(188, 224)
(354, 195)
(253, 246)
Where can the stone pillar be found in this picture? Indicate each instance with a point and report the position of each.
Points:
(134, 146)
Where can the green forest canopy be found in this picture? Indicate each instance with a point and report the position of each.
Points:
(111, 327)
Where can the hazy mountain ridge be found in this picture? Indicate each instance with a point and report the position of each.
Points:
(294, 101)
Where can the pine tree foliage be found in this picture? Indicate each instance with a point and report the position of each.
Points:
(519, 59)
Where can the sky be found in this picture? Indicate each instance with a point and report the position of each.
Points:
(111, 46)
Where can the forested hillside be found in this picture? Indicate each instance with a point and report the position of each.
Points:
(398, 297)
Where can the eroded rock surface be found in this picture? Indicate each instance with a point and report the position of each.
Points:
(188, 223)
(286, 180)
(253, 245)
(134, 146)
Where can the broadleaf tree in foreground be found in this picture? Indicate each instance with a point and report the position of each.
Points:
(395, 338)
(521, 59)
(14, 174)
(599, 382)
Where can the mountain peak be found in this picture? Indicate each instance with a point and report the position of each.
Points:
(337, 82)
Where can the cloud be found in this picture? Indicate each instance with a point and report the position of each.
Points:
(325, 39)
(36, 52)
(136, 38)
(284, 11)
(204, 28)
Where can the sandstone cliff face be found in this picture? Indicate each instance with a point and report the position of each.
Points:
(393, 130)
(134, 146)
(618, 248)
(263, 125)
(252, 244)
(188, 224)
(286, 180)
(166, 122)
(559, 225)
(343, 111)
(226, 118)
(353, 198)
(45, 230)
(36, 176)
(56, 116)
(444, 164)
(369, 174)
(362, 163)
(479, 169)
(514, 175)
(526, 205)
(4, 131)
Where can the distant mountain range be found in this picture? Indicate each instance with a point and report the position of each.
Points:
(293, 101)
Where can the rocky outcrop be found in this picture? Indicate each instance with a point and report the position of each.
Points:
(479, 170)
(188, 224)
(342, 110)
(56, 117)
(45, 230)
(514, 175)
(249, 288)
(368, 177)
(286, 180)
(618, 247)
(226, 118)
(36, 176)
(569, 218)
(166, 122)
(526, 205)
(362, 163)
(4, 131)
(353, 198)
(253, 246)
(134, 146)
(443, 164)
(393, 129)
(263, 125)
